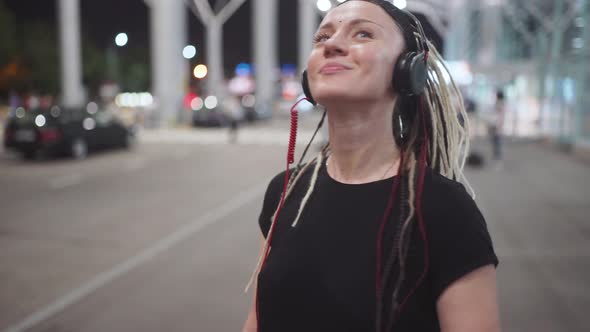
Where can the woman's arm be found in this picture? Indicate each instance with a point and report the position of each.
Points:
(470, 303)
(251, 324)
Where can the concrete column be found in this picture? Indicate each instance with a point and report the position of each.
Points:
(583, 102)
(265, 52)
(554, 72)
(71, 63)
(459, 35)
(215, 84)
(490, 30)
(169, 36)
(308, 23)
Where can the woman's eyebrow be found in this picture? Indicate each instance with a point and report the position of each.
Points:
(356, 21)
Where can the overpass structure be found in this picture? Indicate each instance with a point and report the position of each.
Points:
(169, 34)
(535, 49)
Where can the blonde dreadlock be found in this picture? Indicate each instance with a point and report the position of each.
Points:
(292, 182)
(446, 152)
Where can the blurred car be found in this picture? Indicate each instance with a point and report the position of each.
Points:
(210, 118)
(60, 131)
(211, 113)
(256, 113)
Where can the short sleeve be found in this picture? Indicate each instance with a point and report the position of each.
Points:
(270, 203)
(458, 239)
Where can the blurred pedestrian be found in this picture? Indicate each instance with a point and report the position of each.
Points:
(14, 102)
(496, 129)
(375, 233)
(475, 158)
(233, 130)
(33, 101)
(233, 114)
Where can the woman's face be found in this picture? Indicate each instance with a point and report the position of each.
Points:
(355, 50)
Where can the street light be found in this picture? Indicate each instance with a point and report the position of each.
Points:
(200, 71)
(189, 52)
(324, 5)
(401, 4)
(121, 39)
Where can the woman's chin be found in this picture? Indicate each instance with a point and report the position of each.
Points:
(336, 98)
(332, 95)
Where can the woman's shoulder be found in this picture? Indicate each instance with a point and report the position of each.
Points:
(443, 189)
(276, 183)
(273, 195)
(271, 201)
(447, 204)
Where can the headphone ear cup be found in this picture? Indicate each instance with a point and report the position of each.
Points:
(306, 89)
(404, 117)
(409, 76)
(401, 74)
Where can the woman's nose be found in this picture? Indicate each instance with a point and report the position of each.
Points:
(336, 45)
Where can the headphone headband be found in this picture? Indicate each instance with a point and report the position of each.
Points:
(411, 72)
(408, 23)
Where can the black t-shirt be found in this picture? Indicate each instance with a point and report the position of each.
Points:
(320, 275)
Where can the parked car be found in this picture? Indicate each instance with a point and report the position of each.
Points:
(61, 131)
(210, 118)
(210, 113)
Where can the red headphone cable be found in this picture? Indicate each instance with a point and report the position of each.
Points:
(290, 160)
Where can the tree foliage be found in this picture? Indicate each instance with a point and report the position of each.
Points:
(7, 36)
(41, 57)
(30, 59)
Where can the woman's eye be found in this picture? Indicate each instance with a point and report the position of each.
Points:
(320, 38)
(364, 34)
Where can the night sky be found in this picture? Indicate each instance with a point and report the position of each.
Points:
(103, 19)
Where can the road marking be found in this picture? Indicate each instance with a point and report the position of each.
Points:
(143, 257)
(65, 181)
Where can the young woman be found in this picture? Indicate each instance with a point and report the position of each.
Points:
(376, 233)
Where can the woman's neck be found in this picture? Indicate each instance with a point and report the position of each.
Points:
(362, 145)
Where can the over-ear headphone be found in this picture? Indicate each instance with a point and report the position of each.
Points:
(410, 72)
(306, 89)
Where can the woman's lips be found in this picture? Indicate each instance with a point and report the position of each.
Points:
(333, 68)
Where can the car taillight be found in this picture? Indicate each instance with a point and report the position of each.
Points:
(49, 135)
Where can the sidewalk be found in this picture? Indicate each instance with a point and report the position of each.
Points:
(272, 132)
(538, 212)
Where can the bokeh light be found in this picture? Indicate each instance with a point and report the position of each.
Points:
(197, 104)
(401, 4)
(121, 39)
(324, 5)
(40, 120)
(200, 71)
(211, 102)
(189, 52)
